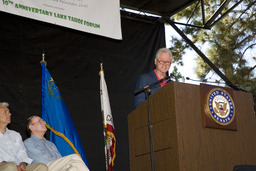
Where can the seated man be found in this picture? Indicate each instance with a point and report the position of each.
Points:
(44, 151)
(13, 154)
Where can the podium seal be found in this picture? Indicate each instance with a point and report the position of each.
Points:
(220, 106)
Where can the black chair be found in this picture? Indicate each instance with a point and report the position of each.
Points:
(245, 168)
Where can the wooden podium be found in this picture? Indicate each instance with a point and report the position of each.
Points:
(180, 140)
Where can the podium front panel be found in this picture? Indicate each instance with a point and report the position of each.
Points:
(180, 140)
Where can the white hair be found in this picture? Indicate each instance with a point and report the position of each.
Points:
(163, 50)
(4, 104)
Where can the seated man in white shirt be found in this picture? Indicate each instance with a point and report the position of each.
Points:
(13, 156)
(44, 151)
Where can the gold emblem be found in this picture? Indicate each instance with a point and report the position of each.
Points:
(220, 106)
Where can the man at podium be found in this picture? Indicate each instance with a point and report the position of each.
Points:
(163, 60)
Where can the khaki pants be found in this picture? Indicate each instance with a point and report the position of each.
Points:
(71, 162)
(11, 166)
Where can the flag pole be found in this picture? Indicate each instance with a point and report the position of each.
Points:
(107, 140)
(105, 129)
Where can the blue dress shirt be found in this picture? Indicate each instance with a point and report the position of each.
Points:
(41, 150)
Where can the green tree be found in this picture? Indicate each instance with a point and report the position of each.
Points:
(230, 42)
(177, 75)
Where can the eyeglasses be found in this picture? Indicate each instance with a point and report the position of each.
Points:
(164, 62)
(6, 111)
(41, 121)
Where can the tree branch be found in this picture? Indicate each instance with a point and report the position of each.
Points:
(248, 48)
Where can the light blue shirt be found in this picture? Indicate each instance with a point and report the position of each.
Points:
(41, 150)
(12, 148)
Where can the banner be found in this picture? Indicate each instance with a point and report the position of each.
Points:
(108, 124)
(92, 16)
(55, 114)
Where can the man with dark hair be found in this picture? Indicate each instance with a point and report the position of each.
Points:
(44, 151)
(13, 156)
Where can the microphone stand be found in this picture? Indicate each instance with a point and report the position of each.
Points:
(147, 90)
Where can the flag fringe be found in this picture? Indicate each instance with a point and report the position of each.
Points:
(112, 160)
(64, 137)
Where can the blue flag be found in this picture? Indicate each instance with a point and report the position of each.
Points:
(56, 115)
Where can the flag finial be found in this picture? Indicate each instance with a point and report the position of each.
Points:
(43, 56)
(101, 66)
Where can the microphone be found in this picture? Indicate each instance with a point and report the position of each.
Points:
(187, 78)
(153, 84)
